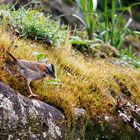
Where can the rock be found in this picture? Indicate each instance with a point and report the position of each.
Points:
(7, 2)
(10, 2)
(104, 50)
(79, 112)
(78, 124)
(59, 8)
(18, 3)
(24, 118)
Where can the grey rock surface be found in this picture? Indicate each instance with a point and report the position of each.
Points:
(24, 118)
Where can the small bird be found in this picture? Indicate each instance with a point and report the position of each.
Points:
(32, 71)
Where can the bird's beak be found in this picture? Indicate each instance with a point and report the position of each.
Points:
(53, 76)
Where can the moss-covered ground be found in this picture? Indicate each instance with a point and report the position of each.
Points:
(93, 84)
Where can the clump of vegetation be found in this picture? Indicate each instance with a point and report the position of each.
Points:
(34, 25)
(108, 26)
(86, 14)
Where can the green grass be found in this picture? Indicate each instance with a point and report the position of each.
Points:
(86, 14)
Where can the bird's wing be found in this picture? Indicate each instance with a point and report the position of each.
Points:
(34, 66)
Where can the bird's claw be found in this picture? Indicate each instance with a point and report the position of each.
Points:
(33, 96)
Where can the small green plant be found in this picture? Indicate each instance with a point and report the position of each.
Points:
(108, 26)
(128, 57)
(115, 26)
(86, 14)
(33, 24)
(40, 57)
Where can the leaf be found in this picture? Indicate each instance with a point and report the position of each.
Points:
(78, 17)
(94, 2)
(135, 32)
(53, 82)
(39, 56)
(128, 22)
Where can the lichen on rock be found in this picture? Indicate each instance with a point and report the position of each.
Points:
(24, 118)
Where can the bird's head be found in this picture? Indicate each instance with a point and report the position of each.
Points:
(50, 71)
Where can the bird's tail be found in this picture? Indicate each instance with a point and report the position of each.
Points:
(10, 54)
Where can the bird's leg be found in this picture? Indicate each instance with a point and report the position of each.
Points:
(31, 93)
(42, 80)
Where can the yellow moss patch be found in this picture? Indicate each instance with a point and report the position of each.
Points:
(92, 85)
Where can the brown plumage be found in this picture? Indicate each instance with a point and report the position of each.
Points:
(32, 70)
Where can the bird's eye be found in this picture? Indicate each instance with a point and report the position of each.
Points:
(48, 71)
